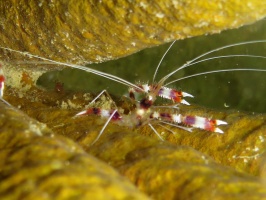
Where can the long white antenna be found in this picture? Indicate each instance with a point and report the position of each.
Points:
(216, 71)
(159, 64)
(217, 57)
(209, 52)
(87, 69)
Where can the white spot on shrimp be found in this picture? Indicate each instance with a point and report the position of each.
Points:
(177, 118)
(140, 112)
(156, 115)
(133, 44)
(146, 88)
(105, 113)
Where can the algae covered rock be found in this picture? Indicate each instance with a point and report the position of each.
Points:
(165, 169)
(37, 164)
(96, 31)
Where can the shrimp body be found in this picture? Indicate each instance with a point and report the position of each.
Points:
(145, 113)
(144, 116)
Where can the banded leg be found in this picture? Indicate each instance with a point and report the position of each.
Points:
(112, 116)
(89, 111)
(203, 123)
(192, 121)
(103, 113)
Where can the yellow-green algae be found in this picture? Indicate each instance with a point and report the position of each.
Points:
(161, 169)
(96, 31)
(37, 164)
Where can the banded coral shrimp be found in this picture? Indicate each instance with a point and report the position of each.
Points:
(143, 115)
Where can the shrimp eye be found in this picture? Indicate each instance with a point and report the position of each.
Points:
(145, 103)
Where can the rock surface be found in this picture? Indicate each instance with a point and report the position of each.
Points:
(161, 169)
(96, 31)
(37, 164)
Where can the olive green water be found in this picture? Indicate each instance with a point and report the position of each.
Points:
(229, 90)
